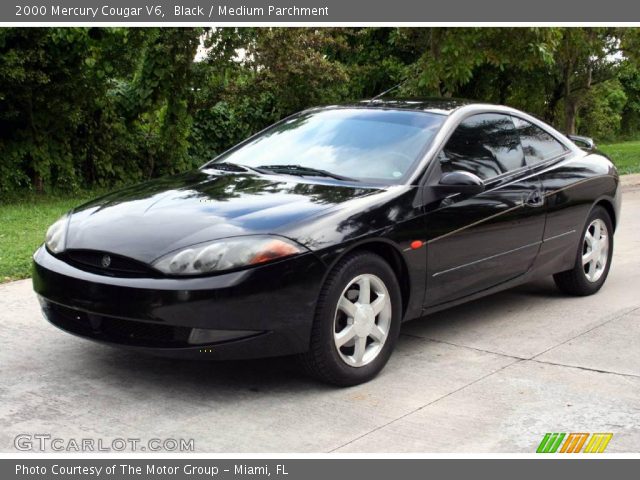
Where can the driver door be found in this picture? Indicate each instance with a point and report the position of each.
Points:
(476, 242)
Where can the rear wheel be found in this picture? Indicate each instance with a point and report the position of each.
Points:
(357, 321)
(593, 258)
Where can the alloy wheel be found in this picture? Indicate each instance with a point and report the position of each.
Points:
(362, 320)
(595, 250)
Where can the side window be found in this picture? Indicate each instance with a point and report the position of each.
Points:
(538, 145)
(486, 145)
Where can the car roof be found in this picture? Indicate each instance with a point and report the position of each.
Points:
(439, 105)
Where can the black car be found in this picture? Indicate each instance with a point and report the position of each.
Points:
(320, 235)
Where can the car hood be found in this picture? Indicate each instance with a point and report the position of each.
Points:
(151, 219)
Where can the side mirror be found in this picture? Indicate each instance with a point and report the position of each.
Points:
(460, 182)
(585, 143)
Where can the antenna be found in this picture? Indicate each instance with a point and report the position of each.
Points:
(389, 90)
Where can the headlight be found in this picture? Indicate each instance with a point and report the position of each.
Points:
(56, 235)
(227, 254)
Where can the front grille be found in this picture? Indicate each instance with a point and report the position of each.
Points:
(125, 332)
(137, 332)
(92, 261)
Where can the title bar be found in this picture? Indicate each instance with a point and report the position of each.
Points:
(315, 11)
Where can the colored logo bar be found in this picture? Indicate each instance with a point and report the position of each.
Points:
(574, 443)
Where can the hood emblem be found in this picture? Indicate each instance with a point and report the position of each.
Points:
(106, 261)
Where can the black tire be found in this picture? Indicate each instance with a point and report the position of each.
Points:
(323, 360)
(574, 281)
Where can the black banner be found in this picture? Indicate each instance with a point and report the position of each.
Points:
(314, 11)
(317, 469)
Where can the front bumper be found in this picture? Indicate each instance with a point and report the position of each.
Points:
(274, 304)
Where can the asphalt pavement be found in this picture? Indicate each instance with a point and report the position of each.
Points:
(493, 375)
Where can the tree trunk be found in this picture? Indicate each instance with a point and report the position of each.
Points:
(570, 101)
(570, 113)
(556, 96)
(38, 182)
(505, 85)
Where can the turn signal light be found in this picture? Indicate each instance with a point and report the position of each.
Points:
(416, 244)
(272, 250)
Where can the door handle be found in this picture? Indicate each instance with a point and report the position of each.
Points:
(535, 199)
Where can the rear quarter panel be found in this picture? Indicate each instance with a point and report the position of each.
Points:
(572, 187)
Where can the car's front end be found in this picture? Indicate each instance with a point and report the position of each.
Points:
(256, 312)
(188, 265)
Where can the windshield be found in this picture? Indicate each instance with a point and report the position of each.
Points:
(363, 144)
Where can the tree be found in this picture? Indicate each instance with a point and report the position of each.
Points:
(76, 104)
(585, 57)
(451, 57)
(105, 106)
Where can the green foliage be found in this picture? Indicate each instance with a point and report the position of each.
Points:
(451, 57)
(214, 130)
(84, 107)
(601, 112)
(630, 82)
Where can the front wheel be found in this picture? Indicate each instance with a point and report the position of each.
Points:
(593, 258)
(357, 321)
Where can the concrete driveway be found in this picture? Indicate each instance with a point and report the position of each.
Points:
(491, 376)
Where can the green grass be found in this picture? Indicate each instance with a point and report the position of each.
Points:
(23, 224)
(626, 155)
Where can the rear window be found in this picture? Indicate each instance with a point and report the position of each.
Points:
(537, 144)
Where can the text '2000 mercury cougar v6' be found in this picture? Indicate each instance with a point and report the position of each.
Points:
(320, 235)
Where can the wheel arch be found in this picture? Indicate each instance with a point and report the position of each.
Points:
(609, 208)
(392, 255)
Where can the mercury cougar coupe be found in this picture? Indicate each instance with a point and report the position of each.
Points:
(320, 235)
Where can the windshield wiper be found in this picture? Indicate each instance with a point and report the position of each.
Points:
(233, 167)
(227, 167)
(302, 171)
